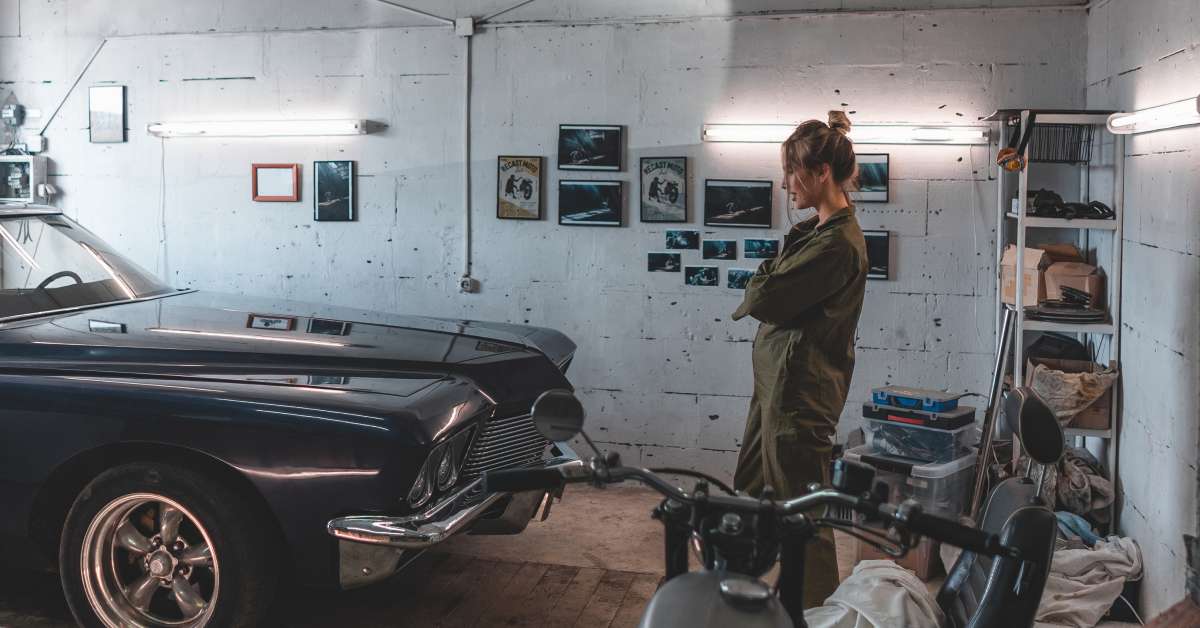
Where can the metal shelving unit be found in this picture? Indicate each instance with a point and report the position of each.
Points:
(1023, 223)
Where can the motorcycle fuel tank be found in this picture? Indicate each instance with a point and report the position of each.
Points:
(698, 600)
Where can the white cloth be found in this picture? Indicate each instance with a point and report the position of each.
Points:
(1084, 583)
(879, 594)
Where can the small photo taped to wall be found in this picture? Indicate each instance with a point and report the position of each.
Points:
(663, 262)
(760, 248)
(701, 275)
(739, 278)
(719, 249)
(683, 239)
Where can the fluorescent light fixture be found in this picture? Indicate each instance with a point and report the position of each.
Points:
(859, 133)
(18, 248)
(258, 128)
(1180, 113)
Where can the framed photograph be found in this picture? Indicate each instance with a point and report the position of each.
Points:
(879, 252)
(281, 323)
(701, 275)
(739, 277)
(683, 239)
(872, 178)
(333, 190)
(328, 327)
(590, 203)
(737, 203)
(106, 114)
(519, 188)
(759, 248)
(663, 262)
(664, 189)
(719, 249)
(589, 147)
(275, 183)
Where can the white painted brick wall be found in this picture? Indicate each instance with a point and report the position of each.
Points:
(1142, 54)
(662, 369)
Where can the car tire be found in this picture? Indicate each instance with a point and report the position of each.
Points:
(132, 552)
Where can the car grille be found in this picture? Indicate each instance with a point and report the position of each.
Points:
(505, 442)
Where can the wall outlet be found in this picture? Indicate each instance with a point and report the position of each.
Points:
(468, 285)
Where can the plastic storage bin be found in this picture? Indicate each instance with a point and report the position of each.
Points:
(926, 444)
(941, 489)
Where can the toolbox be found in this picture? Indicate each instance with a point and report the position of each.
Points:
(915, 398)
(949, 420)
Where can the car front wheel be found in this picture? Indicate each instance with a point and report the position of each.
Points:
(154, 545)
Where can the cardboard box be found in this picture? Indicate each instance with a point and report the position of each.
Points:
(1036, 262)
(1097, 416)
(1076, 275)
(922, 560)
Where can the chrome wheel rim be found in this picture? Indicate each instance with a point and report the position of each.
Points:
(148, 562)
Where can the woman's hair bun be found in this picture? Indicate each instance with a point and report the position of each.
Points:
(839, 121)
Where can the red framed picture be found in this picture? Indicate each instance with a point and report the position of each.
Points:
(275, 183)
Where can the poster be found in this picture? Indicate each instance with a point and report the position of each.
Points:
(664, 189)
(519, 188)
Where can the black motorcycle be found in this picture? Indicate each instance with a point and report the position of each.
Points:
(997, 581)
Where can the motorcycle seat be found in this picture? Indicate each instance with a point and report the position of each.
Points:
(985, 592)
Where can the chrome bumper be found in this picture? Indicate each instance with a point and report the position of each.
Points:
(372, 548)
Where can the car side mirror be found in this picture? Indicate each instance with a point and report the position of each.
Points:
(558, 415)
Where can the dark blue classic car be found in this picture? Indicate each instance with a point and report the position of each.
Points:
(174, 454)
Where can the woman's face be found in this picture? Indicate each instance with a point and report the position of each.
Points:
(804, 186)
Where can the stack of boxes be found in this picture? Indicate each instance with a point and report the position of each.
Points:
(922, 445)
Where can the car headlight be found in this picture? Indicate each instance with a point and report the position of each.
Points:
(440, 470)
(447, 471)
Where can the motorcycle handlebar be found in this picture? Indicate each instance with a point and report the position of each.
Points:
(516, 480)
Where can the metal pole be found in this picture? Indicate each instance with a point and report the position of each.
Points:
(444, 20)
(503, 11)
(71, 89)
(993, 409)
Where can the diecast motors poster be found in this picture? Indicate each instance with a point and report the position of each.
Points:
(520, 189)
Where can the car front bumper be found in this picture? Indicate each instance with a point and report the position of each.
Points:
(371, 547)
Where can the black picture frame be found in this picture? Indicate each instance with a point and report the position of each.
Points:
(333, 191)
(724, 200)
(673, 171)
(879, 254)
(525, 174)
(591, 147)
(874, 178)
(593, 201)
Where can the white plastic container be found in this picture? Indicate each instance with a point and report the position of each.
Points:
(926, 444)
(941, 488)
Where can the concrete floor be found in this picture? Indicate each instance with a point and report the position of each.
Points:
(594, 563)
(602, 543)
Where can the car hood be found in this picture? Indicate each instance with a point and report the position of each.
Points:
(202, 334)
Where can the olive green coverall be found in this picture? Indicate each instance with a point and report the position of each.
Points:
(808, 301)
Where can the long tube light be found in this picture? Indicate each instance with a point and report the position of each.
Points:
(860, 133)
(258, 128)
(1179, 113)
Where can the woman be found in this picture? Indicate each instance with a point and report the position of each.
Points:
(808, 300)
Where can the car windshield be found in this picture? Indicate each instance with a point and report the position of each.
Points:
(50, 263)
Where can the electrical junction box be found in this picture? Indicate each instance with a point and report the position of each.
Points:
(22, 178)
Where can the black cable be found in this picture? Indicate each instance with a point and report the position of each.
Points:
(695, 474)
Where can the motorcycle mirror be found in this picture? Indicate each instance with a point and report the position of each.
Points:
(1036, 426)
(558, 415)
